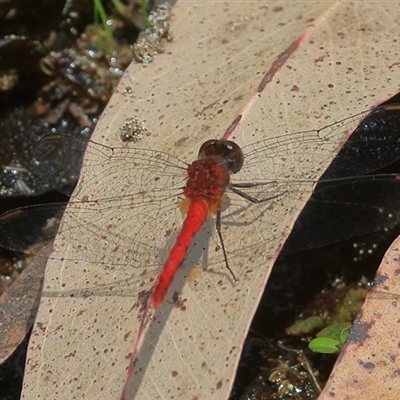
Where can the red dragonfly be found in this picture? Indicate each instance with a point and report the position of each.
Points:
(156, 178)
(208, 179)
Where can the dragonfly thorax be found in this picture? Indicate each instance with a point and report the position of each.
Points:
(207, 179)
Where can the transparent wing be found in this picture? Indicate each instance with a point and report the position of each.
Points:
(116, 173)
(143, 186)
(280, 171)
(341, 209)
(294, 158)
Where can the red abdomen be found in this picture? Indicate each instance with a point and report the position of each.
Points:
(207, 182)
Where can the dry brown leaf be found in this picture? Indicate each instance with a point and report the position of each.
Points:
(88, 320)
(19, 304)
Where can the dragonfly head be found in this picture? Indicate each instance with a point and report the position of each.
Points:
(226, 151)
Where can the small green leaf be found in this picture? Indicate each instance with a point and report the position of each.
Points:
(325, 345)
(344, 335)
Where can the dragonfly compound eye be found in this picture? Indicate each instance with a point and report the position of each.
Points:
(227, 151)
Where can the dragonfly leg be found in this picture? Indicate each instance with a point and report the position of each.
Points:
(251, 198)
(218, 227)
